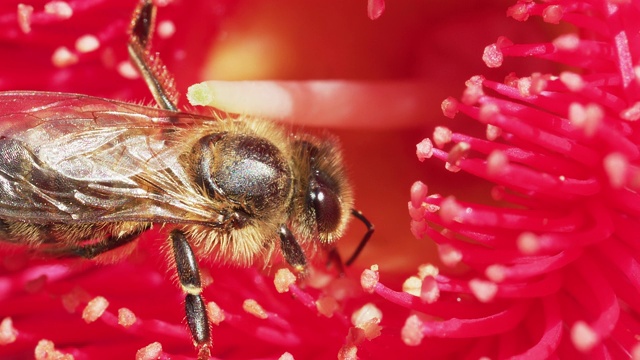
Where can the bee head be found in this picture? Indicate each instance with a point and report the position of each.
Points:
(322, 198)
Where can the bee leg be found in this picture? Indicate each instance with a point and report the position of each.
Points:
(112, 242)
(365, 239)
(189, 276)
(334, 258)
(292, 251)
(154, 73)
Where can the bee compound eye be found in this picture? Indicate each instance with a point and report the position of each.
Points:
(327, 208)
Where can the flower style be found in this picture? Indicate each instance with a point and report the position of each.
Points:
(546, 267)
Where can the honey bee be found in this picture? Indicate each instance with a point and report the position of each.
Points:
(81, 176)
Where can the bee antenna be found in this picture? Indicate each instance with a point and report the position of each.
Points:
(370, 228)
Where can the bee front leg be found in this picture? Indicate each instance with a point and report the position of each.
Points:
(292, 251)
(189, 276)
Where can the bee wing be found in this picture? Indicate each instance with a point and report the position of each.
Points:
(75, 158)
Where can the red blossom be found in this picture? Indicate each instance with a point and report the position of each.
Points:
(547, 267)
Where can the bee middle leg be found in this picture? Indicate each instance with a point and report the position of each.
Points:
(189, 276)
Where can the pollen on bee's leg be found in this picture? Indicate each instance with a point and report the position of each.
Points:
(46, 350)
(126, 317)
(94, 309)
(150, 352)
(8, 333)
(252, 307)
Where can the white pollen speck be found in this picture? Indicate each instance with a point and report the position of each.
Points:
(412, 331)
(583, 336)
(127, 70)
(493, 132)
(449, 255)
(616, 165)
(484, 291)
(61, 9)
(441, 136)
(497, 163)
(24, 17)
(567, 42)
(87, 43)
(572, 81)
(166, 29)
(62, 57)
(8, 333)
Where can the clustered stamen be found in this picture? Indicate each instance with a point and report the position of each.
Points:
(549, 261)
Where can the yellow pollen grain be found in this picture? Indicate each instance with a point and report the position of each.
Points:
(62, 57)
(61, 9)
(150, 352)
(87, 43)
(94, 309)
(286, 356)
(412, 286)
(126, 317)
(24, 17)
(425, 270)
(46, 350)
(283, 279)
(216, 315)
(369, 279)
(348, 352)
(127, 71)
(8, 333)
(252, 307)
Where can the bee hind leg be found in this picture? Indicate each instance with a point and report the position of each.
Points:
(189, 276)
(92, 250)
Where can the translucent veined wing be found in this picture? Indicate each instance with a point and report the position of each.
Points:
(75, 158)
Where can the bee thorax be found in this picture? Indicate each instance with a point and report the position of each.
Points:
(248, 171)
